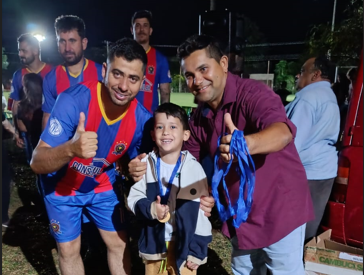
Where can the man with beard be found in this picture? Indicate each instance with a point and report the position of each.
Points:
(29, 51)
(91, 126)
(157, 72)
(72, 43)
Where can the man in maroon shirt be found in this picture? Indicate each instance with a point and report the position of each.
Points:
(273, 235)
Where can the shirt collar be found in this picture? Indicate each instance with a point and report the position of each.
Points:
(229, 96)
(315, 85)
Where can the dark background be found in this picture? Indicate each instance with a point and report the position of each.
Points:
(173, 21)
(280, 20)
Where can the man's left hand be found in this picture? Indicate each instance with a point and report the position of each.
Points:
(225, 140)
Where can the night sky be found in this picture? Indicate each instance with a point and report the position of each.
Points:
(280, 20)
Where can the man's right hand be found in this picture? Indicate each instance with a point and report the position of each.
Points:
(137, 169)
(84, 144)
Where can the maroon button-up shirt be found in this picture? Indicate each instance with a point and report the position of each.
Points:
(281, 199)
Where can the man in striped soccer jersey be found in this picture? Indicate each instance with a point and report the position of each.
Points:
(157, 73)
(29, 54)
(72, 42)
(91, 126)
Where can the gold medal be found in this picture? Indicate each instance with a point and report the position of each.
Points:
(166, 219)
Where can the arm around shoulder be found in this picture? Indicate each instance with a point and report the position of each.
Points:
(138, 201)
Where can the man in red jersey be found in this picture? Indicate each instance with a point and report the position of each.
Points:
(29, 52)
(157, 73)
(91, 126)
(72, 42)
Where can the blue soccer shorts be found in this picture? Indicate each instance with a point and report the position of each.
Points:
(65, 213)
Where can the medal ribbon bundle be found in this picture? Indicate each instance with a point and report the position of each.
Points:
(246, 172)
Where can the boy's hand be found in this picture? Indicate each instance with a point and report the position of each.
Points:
(137, 169)
(161, 209)
(191, 265)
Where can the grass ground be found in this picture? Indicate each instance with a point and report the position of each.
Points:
(183, 99)
(30, 249)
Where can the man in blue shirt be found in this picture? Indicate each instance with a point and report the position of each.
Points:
(316, 114)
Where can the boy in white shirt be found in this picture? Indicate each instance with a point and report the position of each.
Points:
(176, 232)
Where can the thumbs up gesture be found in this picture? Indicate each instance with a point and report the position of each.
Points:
(225, 140)
(161, 209)
(84, 144)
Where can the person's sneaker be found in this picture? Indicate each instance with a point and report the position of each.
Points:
(5, 226)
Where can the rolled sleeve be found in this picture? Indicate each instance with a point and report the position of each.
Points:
(264, 108)
(62, 122)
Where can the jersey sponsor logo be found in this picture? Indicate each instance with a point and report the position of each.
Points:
(55, 127)
(151, 69)
(119, 148)
(56, 227)
(147, 86)
(86, 170)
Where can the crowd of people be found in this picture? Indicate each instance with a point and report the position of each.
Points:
(82, 124)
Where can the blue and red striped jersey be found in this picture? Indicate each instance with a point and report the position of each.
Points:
(157, 72)
(115, 138)
(60, 79)
(18, 77)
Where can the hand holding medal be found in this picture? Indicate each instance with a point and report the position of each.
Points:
(235, 148)
(225, 141)
(162, 211)
(161, 202)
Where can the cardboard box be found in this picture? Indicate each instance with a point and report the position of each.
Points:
(326, 257)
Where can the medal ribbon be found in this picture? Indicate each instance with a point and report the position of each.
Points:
(246, 171)
(165, 196)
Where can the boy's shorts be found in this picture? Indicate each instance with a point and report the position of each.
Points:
(65, 213)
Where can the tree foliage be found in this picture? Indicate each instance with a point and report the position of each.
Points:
(178, 84)
(5, 60)
(345, 42)
(285, 71)
(252, 35)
